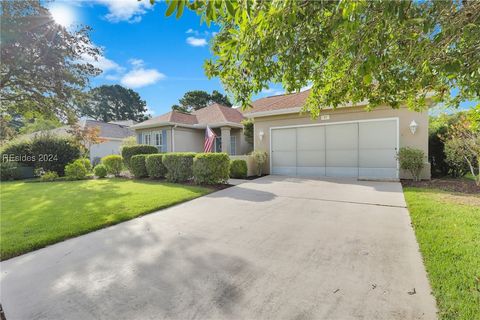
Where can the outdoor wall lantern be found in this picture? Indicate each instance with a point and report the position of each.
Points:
(260, 135)
(413, 126)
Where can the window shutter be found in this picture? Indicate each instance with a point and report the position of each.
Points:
(139, 138)
(164, 140)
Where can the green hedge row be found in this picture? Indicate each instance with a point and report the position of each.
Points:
(203, 168)
(129, 151)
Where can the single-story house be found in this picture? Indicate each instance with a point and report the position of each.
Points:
(183, 132)
(112, 134)
(348, 141)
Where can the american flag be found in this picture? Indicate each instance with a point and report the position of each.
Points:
(209, 140)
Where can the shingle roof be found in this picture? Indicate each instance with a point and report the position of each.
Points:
(110, 130)
(284, 101)
(213, 114)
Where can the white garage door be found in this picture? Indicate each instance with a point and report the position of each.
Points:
(361, 149)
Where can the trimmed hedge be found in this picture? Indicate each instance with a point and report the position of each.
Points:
(211, 168)
(155, 167)
(179, 166)
(100, 171)
(137, 166)
(43, 151)
(113, 163)
(129, 151)
(238, 169)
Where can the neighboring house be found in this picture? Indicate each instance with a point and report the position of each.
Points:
(112, 133)
(180, 132)
(344, 142)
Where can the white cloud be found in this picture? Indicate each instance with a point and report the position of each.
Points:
(191, 31)
(136, 62)
(141, 77)
(125, 10)
(272, 92)
(197, 42)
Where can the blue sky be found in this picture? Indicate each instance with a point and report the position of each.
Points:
(159, 57)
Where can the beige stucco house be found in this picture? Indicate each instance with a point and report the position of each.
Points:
(181, 132)
(344, 142)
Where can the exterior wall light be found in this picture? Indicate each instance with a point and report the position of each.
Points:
(260, 135)
(413, 126)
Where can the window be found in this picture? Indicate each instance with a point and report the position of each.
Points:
(233, 145)
(158, 140)
(147, 138)
(218, 144)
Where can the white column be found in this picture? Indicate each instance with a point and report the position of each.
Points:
(226, 139)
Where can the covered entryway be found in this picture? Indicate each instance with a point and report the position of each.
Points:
(363, 149)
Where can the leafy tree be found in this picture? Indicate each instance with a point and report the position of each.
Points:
(40, 124)
(84, 137)
(219, 98)
(43, 67)
(463, 138)
(180, 108)
(384, 51)
(248, 130)
(198, 99)
(114, 103)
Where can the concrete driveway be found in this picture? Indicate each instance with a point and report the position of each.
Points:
(272, 248)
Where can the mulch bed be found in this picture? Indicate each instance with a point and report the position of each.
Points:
(453, 185)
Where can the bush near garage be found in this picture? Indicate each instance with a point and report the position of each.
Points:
(49, 176)
(238, 169)
(260, 158)
(211, 168)
(179, 166)
(129, 151)
(113, 163)
(412, 160)
(76, 170)
(43, 151)
(138, 167)
(155, 167)
(100, 171)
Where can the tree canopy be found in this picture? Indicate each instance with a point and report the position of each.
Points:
(198, 99)
(386, 52)
(43, 69)
(113, 103)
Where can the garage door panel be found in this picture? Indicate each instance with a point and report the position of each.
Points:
(311, 158)
(378, 158)
(311, 171)
(341, 171)
(377, 173)
(377, 134)
(284, 159)
(311, 138)
(342, 136)
(284, 140)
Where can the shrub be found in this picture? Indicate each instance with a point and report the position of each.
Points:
(113, 163)
(137, 164)
(238, 169)
(49, 176)
(211, 168)
(455, 158)
(100, 171)
(76, 170)
(9, 170)
(86, 163)
(155, 167)
(43, 151)
(412, 160)
(179, 166)
(260, 158)
(129, 151)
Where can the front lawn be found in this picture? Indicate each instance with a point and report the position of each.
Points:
(447, 226)
(36, 214)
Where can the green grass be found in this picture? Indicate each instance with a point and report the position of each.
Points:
(36, 214)
(447, 226)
